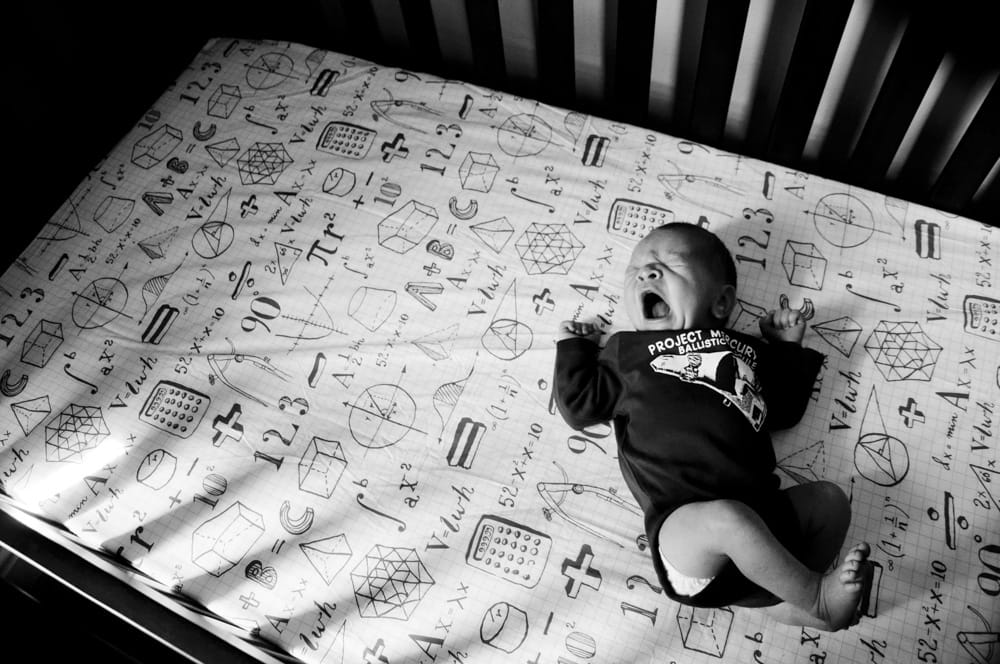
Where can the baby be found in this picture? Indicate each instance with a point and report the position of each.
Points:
(692, 404)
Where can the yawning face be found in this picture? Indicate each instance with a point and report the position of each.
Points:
(669, 285)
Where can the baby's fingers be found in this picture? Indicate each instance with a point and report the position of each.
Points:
(787, 318)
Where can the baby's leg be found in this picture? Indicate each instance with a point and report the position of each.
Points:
(700, 538)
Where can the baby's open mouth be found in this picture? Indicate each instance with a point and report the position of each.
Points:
(653, 306)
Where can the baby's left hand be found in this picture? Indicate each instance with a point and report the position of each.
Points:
(783, 325)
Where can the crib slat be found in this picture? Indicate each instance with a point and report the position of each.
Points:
(633, 59)
(424, 46)
(487, 42)
(720, 53)
(910, 74)
(986, 204)
(816, 45)
(973, 158)
(556, 73)
(875, 49)
(783, 25)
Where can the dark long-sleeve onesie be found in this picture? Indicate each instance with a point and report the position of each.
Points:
(692, 411)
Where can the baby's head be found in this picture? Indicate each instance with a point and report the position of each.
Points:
(680, 276)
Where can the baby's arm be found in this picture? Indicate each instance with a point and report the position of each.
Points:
(586, 387)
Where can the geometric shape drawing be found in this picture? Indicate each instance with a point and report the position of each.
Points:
(102, 301)
(156, 469)
(805, 465)
(381, 416)
(902, 351)
(437, 345)
(31, 412)
(269, 70)
(548, 249)
(212, 239)
(327, 556)
(174, 408)
(263, 163)
(287, 256)
(985, 477)
(510, 550)
(224, 101)
(843, 220)
(155, 246)
(705, 630)
(407, 227)
(804, 265)
(523, 135)
(495, 233)
(504, 627)
(320, 467)
(222, 541)
(371, 306)
(841, 333)
(507, 338)
(223, 152)
(878, 456)
(154, 147)
(390, 582)
(41, 343)
(478, 171)
(113, 212)
(73, 431)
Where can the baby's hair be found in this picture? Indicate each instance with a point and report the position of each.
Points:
(710, 246)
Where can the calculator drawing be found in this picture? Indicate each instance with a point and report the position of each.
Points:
(633, 219)
(982, 316)
(174, 408)
(346, 140)
(510, 550)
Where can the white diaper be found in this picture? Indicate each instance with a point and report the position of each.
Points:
(689, 586)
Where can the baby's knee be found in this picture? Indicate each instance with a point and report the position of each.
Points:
(833, 497)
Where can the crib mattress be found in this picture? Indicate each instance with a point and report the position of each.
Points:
(287, 351)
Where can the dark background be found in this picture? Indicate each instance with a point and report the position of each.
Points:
(82, 74)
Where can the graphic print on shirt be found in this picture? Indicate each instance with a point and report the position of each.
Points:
(728, 372)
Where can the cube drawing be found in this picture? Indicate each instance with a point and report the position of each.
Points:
(224, 101)
(804, 265)
(220, 543)
(321, 466)
(154, 147)
(406, 227)
(705, 630)
(478, 171)
(42, 343)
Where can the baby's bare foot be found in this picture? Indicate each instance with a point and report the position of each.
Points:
(841, 589)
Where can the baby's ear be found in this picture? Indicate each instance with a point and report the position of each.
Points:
(724, 302)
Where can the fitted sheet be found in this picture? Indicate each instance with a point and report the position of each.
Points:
(287, 351)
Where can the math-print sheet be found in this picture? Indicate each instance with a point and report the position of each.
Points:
(288, 349)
